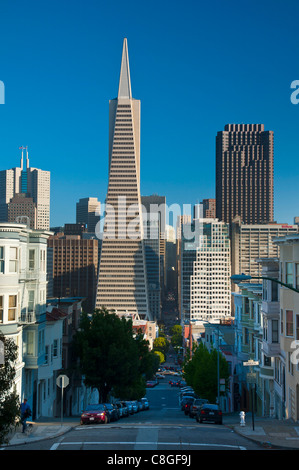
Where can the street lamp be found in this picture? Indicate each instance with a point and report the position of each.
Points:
(237, 278)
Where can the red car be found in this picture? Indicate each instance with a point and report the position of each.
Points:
(95, 414)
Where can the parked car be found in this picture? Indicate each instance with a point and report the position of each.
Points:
(135, 406)
(146, 403)
(185, 403)
(130, 407)
(95, 414)
(120, 408)
(125, 409)
(197, 403)
(209, 412)
(113, 411)
(140, 405)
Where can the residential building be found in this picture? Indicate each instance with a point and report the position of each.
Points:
(20, 183)
(88, 213)
(248, 346)
(286, 368)
(23, 285)
(76, 395)
(244, 173)
(122, 283)
(75, 265)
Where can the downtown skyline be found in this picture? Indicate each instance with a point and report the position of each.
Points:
(192, 75)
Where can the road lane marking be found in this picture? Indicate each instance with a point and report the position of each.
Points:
(148, 444)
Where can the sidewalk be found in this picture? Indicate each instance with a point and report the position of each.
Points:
(43, 428)
(269, 432)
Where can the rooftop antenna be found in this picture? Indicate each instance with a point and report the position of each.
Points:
(22, 148)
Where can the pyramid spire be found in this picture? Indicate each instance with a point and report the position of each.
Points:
(124, 89)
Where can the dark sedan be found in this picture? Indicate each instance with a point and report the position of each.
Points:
(95, 414)
(113, 411)
(186, 403)
(196, 405)
(209, 412)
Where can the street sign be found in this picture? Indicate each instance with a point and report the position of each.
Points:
(62, 381)
(251, 363)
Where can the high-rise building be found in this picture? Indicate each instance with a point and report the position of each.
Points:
(20, 183)
(74, 267)
(210, 285)
(205, 287)
(154, 209)
(244, 173)
(251, 242)
(209, 208)
(88, 213)
(122, 281)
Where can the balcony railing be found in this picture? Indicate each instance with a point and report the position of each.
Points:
(27, 317)
(27, 275)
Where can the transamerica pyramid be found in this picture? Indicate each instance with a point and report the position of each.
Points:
(122, 283)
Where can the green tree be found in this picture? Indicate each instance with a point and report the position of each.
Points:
(161, 344)
(112, 357)
(160, 356)
(107, 351)
(177, 335)
(9, 400)
(201, 371)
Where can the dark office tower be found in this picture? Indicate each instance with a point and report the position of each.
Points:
(244, 173)
(122, 281)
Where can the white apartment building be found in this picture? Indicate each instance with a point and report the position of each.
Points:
(23, 285)
(210, 286)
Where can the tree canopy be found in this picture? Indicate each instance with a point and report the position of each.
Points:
(111, 357)
(201, 372)
(9, 400)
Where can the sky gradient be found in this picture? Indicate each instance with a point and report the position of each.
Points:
(195, 66)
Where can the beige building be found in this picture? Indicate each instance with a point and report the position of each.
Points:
(250, 242)
(289, 321)
(122, 282)
(31, 183)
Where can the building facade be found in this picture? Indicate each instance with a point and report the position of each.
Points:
(23, 287)
(251, 242)
(21, 183)
(75, 266)
(210, 286)
(122, 281)
(287, 364)
(244, 173)
(88, 213)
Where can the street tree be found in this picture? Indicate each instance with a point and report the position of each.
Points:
(110, 357)
(201, 372)
(9, 400)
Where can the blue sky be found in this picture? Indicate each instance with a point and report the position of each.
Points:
(195, 66)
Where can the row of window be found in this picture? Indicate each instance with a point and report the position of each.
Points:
(10, 263)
